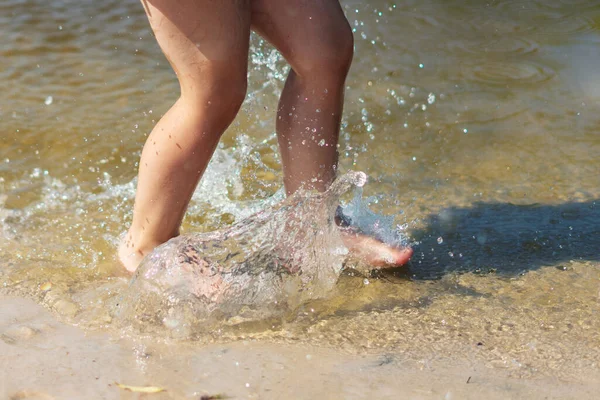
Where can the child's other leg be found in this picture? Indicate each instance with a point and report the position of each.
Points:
(316, 39)
(206, 43)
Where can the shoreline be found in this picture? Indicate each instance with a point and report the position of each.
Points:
(43, 358)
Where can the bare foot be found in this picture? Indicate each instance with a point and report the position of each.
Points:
(373, 251)
(129, 256)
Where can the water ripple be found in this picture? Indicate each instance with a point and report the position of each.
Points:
(569, 25)
(539, 17)
(508, 73)
(502, 45)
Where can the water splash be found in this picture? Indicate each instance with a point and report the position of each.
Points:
(370, 223)
(261, 267)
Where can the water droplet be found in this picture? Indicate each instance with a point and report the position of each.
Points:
(322, 142)
(440, 240)
(366, 281)
(48, 100)
(465, 130)
(421, 66)
(481, 238)
(431, 98)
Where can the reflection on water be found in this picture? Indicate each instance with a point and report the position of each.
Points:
(477, 121)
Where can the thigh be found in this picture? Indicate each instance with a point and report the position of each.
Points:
(303, 29)
(201, 34)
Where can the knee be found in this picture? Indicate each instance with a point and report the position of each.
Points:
(330, 60)
(226, 88)
(217, 87)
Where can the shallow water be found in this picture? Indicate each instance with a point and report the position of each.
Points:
(477, 123)
(261, 267)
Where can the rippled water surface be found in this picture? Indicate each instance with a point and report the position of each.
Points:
(478, 123)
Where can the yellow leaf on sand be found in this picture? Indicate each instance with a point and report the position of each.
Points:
(141, 389)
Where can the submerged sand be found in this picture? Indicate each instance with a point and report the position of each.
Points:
(43, 358)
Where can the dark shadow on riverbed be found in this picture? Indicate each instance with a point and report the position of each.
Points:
(506, 238)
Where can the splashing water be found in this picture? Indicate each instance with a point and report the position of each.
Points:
(357, 214)
(262, 267)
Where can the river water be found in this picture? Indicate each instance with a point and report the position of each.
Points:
(478, 123)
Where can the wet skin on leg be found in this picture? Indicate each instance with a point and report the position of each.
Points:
(316, 40)
(207, 45)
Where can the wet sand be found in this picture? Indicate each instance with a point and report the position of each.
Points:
(43, 358)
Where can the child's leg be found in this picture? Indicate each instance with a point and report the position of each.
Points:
(316, 39)
(206, 43)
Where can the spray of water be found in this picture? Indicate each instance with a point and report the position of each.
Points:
(261, 267)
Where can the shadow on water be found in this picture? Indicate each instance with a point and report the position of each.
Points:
(504, 238)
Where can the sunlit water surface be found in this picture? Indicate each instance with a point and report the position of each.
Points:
(477, 122)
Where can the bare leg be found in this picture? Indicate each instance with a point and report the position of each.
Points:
(206, 43)
(315, 38)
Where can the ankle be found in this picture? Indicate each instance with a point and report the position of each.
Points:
(131, 251)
